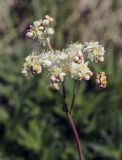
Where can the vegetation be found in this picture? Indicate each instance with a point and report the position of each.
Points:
(32, 125)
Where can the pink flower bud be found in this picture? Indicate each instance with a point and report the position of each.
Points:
(52, 78)
(49, 18)
(97, 81)
(57, 80)
(87, 77)
(90, 73)
(80, 61)
(76, 58)
(80, 54)
(46, 16)
(29, 34)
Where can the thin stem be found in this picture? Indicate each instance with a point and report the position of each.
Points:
(49, 46)
(76, 136)
(72, 124)
(69, 116)
(74, 95)
(64, 98)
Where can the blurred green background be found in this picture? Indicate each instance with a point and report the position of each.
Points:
(32, 123)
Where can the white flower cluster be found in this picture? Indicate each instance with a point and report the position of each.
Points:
(32, 65)
(94, 51)
(41, 30)
(72, 62)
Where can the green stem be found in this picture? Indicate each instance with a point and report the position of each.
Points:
(74, 95)
(49, 46)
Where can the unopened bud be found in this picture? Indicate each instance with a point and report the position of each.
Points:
(45, 22)
(76, 58)
(37, 23)
(29, 34)
(87, 77)
(52, 78)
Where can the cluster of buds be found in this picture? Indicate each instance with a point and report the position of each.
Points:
(72, 62)
(55, 80)
(41, 29)
(101, 79)
(57, 76)
(79, 57)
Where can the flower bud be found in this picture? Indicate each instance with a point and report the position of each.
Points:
(45, 22)
(37, 23)
(80, 54)
(76, 58)
(101, 59)
(90, 73)
(50, 31)
(49, 18)
(52, 78)
(80, 61)
(101, 79)
(29, 34)
(57, 80)
(87, 77)
(97, 81)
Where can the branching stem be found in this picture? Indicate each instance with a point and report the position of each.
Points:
(69, 116)
(72, 124)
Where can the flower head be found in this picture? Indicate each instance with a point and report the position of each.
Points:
(94, 51)
(32, 65)
(101, 79)
(80, 71)
(72, 62)
(41, 29)
(56, 75)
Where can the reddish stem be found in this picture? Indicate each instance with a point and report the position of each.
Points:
(72, 124)
(75, 133)
(69, 116)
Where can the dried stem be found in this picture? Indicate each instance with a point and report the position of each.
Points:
(72, 124)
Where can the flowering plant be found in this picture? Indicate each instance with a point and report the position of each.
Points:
(72, 62)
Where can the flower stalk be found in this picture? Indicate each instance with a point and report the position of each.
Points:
(68, 113)
(74, 94)
(72, 124)
(50, 46)
(72, 62)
